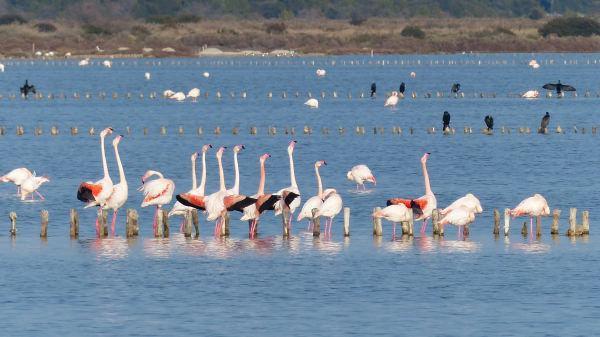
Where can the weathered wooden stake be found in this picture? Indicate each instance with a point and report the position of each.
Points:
(165, 216)
(411, 224)
(435, 216)
(131, 223)
(496, 222)
(44, 229)
(158, 232)
(285, 215)
(195, 221)
(316, 223)
(74, 228)
(346, 221)
(572, 221)
(102, 218)
(585, 222)
(555, 216)
(376, 222)
(538, 226)
(225, 229)
(187, 227)
(506, 221)
(524, 229)
(13, 219)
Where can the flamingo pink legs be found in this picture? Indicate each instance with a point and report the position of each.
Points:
(112, 225)
(424, 226)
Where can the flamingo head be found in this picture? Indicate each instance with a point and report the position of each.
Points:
(264, 157)
(150, 173)
(237, 148)
(116, 141)
(44, 179)
(220, 152)
(320, 163)
(328, 192)
(106, 131)
(194, 156)
(349, 175)
(206, 147)
(424, 158)
(291, 146)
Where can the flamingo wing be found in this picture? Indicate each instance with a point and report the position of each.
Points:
(267, 202)
(192, 200)
(237, 202)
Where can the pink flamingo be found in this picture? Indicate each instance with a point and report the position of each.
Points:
(315, 201)
(31, 185)
(459, 216)
(179, 208)
(120, 191)
(469, 201)
(330, 208)
(360, 174)
(290, 196)
(532, 206)
(96, 193)
(195, 197)
(392, 100)
(17, 176)
(156, 192)
(423, 206)
(263, 201)
(394, 213)
(236, 185)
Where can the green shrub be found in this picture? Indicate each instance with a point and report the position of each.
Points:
(95, 30)
(357, 19)
(140, 32)
(188, 18)
(8, 19)
(413, 31)
(161, 20)
(571, 26)
(45, 27)
(537, 13)
(275, 27)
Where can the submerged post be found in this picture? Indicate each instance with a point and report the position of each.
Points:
(572, 221)
(538, 226)
(285, 215)
(375, 210)
(316, 223)
(131, 224)
(555, 216)
(225, 229)
(13, 219)
(346, 221)
(585, 222)
(506, 221)
(102, 219)
(165, 215)
(187, 228)
(411, 223)
(195, 221)
(74, 228)
(158, 230)
(44, 229)
(435, 215)
(496, 222)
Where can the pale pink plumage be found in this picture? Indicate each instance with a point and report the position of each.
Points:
(395, 214)
(359, 174)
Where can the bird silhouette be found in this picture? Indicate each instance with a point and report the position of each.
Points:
(26, 88)
(489, 122)
(446, 120)
(559, 87)
(544, 123)
(402, 88)
(455, 87)
(373, 89)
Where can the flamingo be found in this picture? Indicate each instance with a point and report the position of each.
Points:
(120, 191)
(206, 74)
(194, 93)
(220, 202)
(96, 193)
(531, 94)
(394, 213)
(313, 103)
(290, 196)
(320, 72)
(31, 185)
(263, 201)
(424, 205)
(469, 201)
(459, 216)
(107, 63)
(156, 192)
(392, 100)
(330, 208)
(236, 186)
(315, 201)
(1, 67)
(178, 208)
(84, 62)
(195, 198)
(360, 174)
(147, 75)
(179, 96)
(532, 206)
(168, 93)
(17, 176)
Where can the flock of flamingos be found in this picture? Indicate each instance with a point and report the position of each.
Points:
(327, 203)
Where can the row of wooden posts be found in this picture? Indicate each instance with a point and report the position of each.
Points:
(323, 95)
(191, 219)
(307, 130)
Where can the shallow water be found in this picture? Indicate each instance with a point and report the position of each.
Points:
(304, 286)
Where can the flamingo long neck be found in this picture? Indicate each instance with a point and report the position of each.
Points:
(428, 190)
(261, 185)
(236, 185)
(292, 174)
(121, 171)
(319, 181)
(194, 172)
(221, 175)
(203, 180)
(104, 166)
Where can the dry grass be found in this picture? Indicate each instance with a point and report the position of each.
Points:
(307, 36)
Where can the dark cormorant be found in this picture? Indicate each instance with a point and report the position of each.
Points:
(446, 120)
(402, 87)
(545, 121)
(373, 89)
(559, 87)
(455, 87)
(489, 122)
(26, 88)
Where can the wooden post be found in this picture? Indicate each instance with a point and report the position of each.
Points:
(44, 229)
(555, 216)
(496, 222)
(102, 228)
(131, 224)
(225, 229)
(316, 224)
(187, 227)
(435, 215)
(506, 221)
(585, 222)
(285, 214)
(538, 226)
(195, 221)
(376, 222)
(13, 219)
(466, 231)
(165, 216)
(572, 221)
(347, 221)
(158, 231)
(411, 224)
(74, 215)
(524, 229)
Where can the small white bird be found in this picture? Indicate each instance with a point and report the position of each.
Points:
(392, 100)
(360, 174)
(531, 94)
(412, 74)
(98, 49)
(147, 75)
(179, 96)
(313, 103)
(1, 67)
(194, 94)
(107, 63)
(168, 93)
(31, 185)
(84, 62)
(206, 74)
(320, 72)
